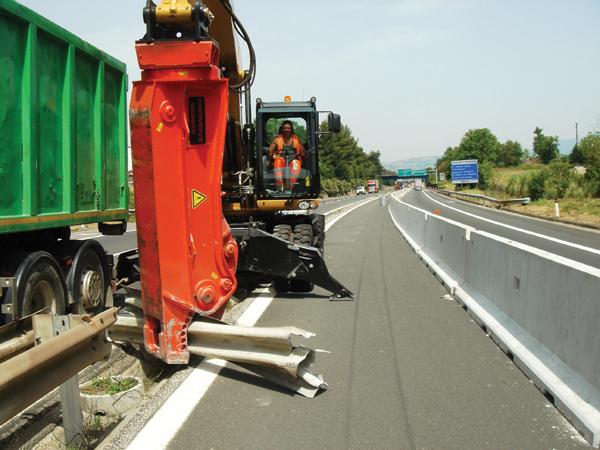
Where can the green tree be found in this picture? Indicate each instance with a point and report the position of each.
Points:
(576, 157)
(590, 150)
(479, 144)
(443, 164)
(341, 157)
(590, 155)
(510, 153)
(545, 147)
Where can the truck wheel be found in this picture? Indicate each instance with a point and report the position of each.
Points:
(40, 285)
(87, 277)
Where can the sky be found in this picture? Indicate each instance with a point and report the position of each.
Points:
(409, 77)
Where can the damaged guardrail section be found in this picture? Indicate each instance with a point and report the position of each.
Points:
(268, 352)
(540, 308)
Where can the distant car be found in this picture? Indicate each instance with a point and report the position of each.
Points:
(360, 190)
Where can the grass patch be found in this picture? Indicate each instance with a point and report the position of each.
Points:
(109, 386)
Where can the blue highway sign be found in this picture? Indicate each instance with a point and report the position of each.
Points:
(465, 171)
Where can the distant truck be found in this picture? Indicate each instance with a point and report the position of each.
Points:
(418, 184)
(372, 186)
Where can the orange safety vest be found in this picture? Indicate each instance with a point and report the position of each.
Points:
(278, 141)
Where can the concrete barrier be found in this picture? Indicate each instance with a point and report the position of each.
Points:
(540, 308)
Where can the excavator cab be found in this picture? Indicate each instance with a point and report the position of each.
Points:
(272, 216)
(291, 172)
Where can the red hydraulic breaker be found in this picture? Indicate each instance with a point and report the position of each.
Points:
(178, 116)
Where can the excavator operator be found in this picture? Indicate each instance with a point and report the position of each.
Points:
(286, 150)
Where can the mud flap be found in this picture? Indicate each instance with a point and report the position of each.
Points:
(265, 254)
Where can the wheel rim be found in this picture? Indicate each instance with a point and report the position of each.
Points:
(91, 288)
(43, 297)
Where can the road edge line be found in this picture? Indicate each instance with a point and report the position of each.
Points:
(520, 230)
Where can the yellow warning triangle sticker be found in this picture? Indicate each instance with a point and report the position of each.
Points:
(197, 198)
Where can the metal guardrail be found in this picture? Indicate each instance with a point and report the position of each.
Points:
(485, 198)
(36, 360)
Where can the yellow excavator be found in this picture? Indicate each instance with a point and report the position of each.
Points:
(272, 216)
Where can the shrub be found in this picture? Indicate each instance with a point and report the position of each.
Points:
(536, 185)
(485, 174)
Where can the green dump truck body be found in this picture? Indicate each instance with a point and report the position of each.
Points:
(63, 138)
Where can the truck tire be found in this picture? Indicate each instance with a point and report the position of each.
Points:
(87, 276)
(40, 285)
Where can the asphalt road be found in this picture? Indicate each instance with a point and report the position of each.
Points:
(570, 237)
(408, 369)
(118, 244)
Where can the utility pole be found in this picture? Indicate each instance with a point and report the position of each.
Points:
(576, 134)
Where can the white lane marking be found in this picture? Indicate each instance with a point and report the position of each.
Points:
(528, 248)
(358, 205)
(511, 227)
(166, 422)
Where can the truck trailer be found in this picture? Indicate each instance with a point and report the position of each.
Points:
(63, 162)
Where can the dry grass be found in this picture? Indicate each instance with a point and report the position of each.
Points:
(585, 211)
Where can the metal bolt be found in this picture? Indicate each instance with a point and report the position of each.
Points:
(206, 294)
(226, 284)
(229, 250)
(167, 111)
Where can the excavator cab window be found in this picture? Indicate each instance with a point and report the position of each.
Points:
(288, 160)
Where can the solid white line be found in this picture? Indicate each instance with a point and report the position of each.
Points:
(345, 213)
(166, 422)
(349, 204)
(528, 248)
(511, 227)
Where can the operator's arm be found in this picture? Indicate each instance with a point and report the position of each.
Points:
(272, 149)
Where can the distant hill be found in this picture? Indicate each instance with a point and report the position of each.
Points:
(421, 162)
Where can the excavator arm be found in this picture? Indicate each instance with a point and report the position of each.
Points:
(178, 116)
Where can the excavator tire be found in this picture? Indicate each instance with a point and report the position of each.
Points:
(283, 232)
(286, 233)
(303, 235)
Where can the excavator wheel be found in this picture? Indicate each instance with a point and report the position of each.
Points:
(286, 233)
(303, 235)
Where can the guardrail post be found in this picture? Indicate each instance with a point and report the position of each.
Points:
(69, 390)
(70, 396)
